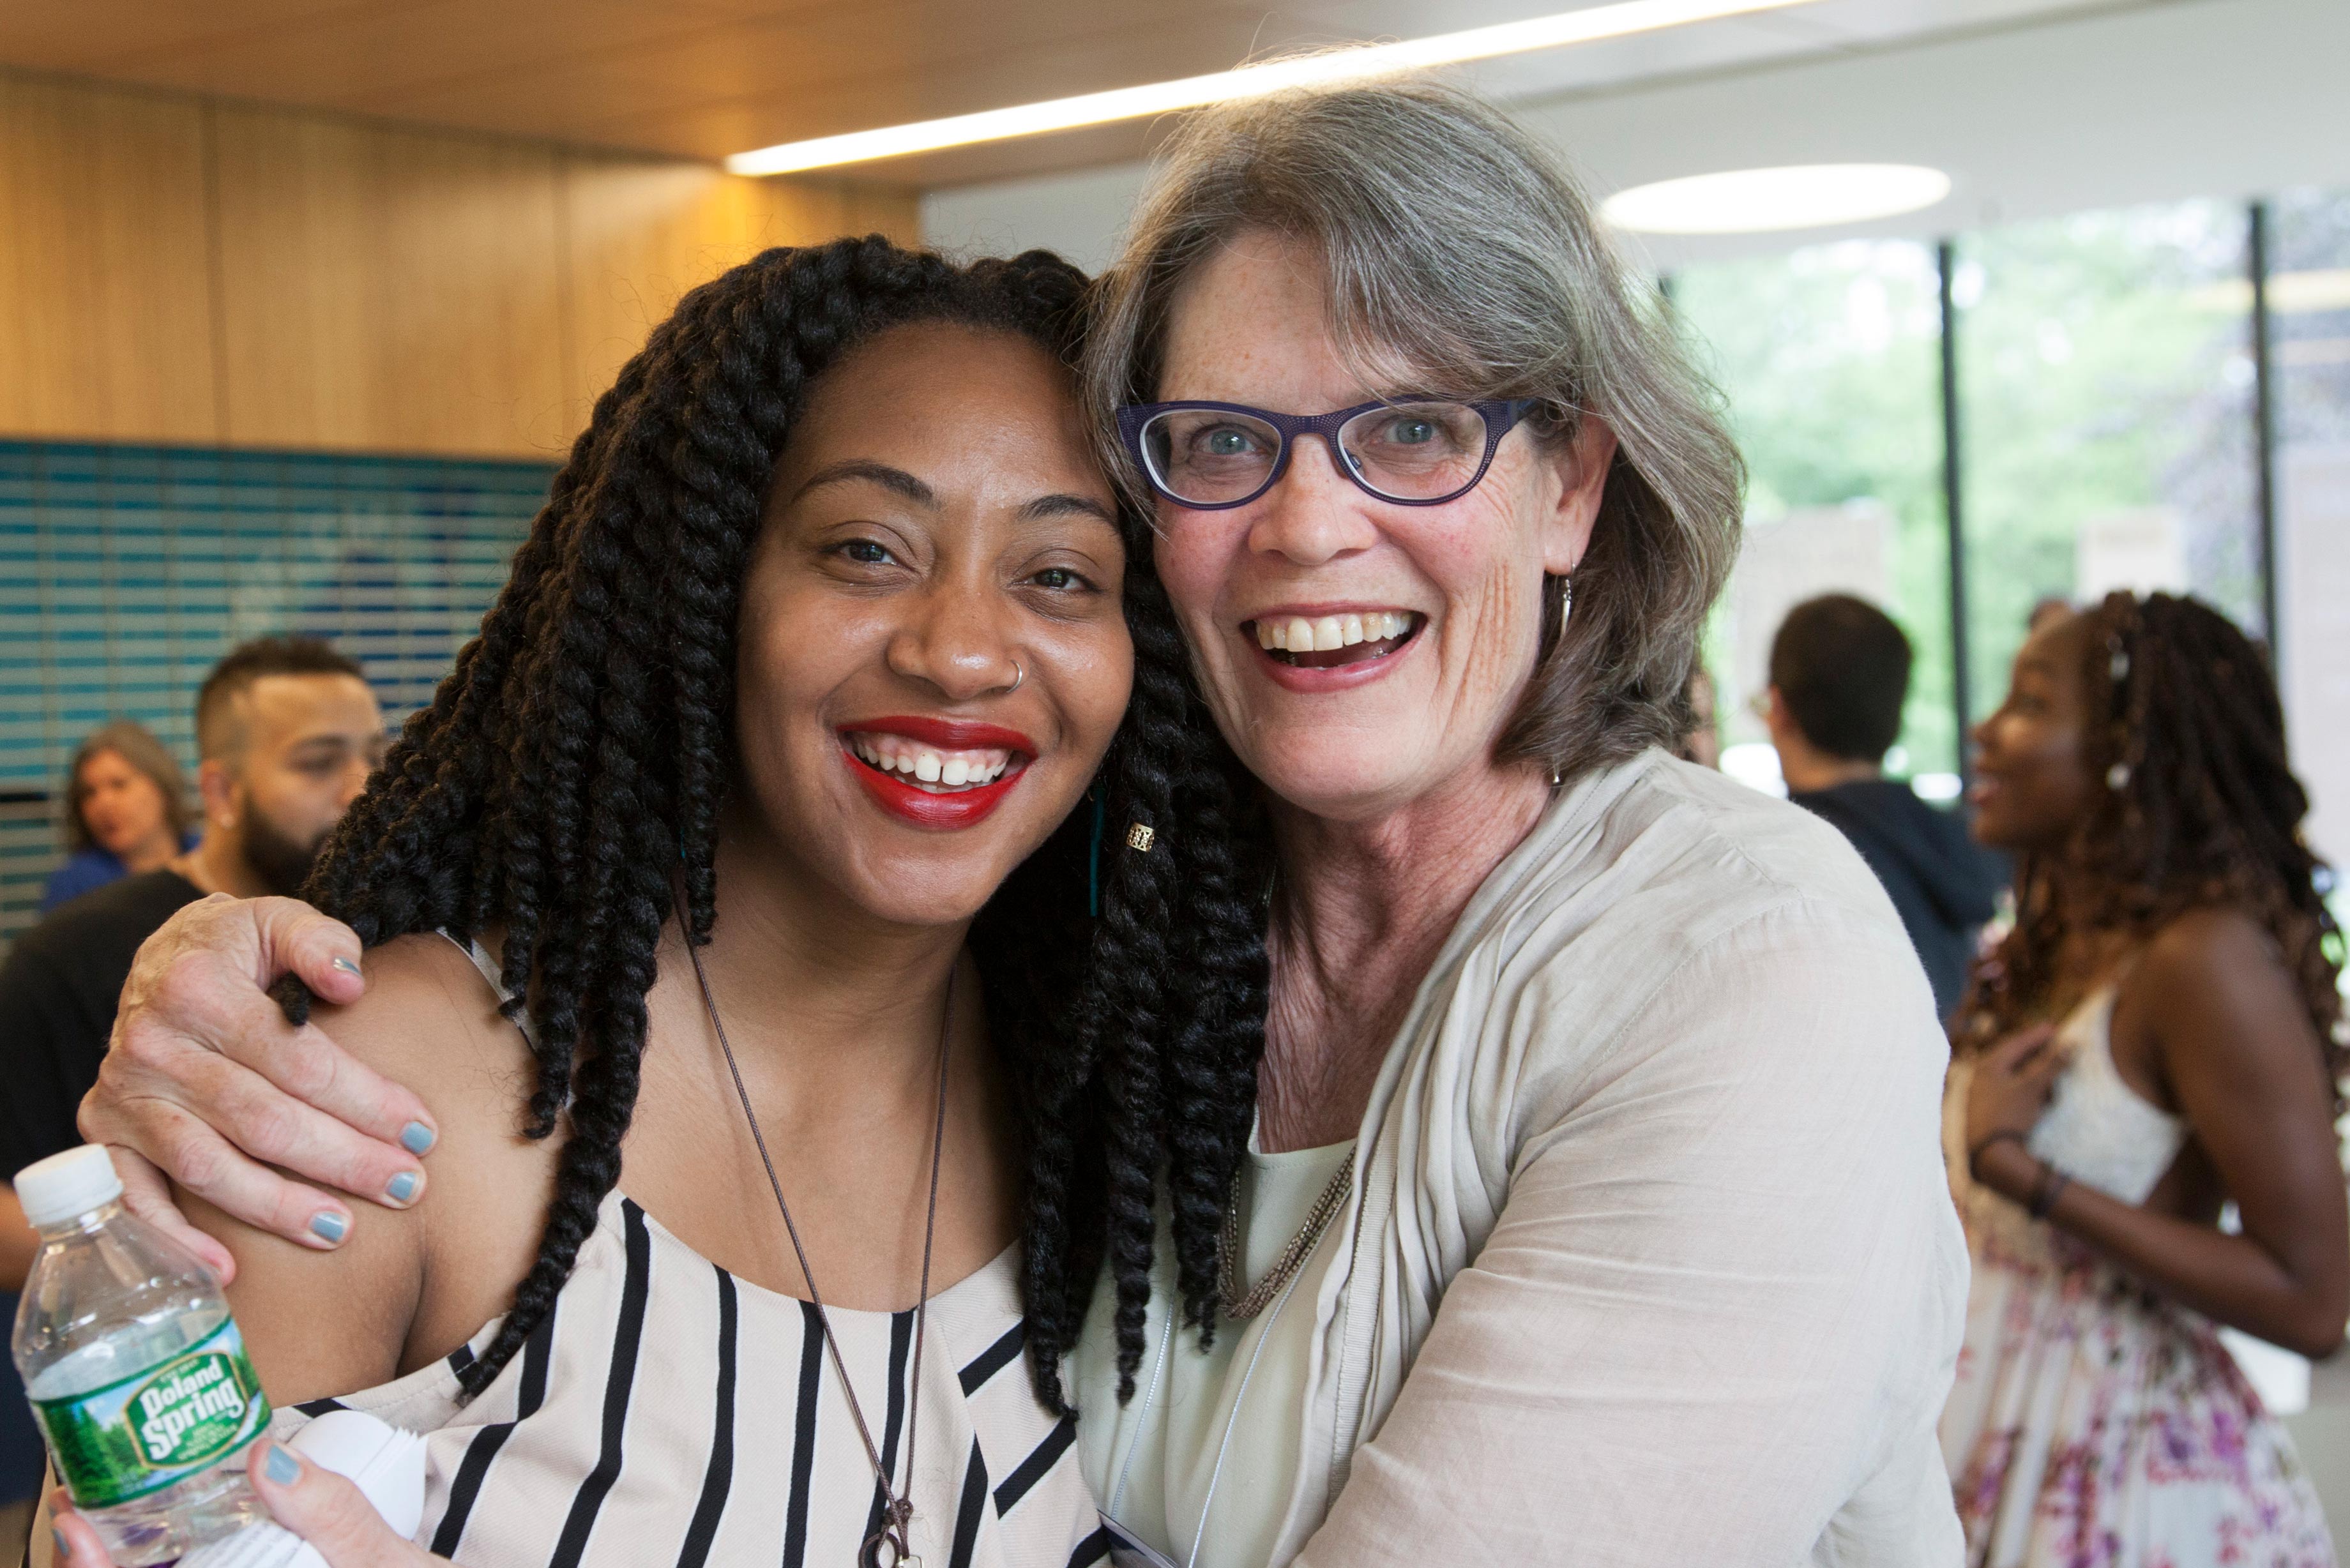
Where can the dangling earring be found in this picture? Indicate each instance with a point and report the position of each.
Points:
(1565, 609)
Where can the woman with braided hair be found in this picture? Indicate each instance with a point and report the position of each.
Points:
(2159, 1037)
(732, 908)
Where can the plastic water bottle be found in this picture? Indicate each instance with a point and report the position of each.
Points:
(136, 1371)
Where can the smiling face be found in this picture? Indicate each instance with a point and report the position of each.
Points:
(2033, 776)
(1357, 653)
(933, 658)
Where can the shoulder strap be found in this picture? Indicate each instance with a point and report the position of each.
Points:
(488, 969)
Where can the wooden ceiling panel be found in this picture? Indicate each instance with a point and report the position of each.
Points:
(102, 38)
(779, 96)
(364, 64)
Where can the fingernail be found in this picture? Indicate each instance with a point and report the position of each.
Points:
(281, 1467)
(328, 1226)
(416, 1137)
(64, 1547)
(345, 965)
(402, 1187)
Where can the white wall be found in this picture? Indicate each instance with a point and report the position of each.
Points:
(2206, 97)
(2314, 594)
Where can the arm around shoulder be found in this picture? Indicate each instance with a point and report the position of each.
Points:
(380, 1298)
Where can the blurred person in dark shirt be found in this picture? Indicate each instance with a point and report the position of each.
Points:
(289, 733)
(1839, 675)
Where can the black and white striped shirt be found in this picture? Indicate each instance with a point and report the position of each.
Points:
(667, 1412)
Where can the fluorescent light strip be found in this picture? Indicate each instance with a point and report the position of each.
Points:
(1589, 26)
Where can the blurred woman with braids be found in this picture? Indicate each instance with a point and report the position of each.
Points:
(2159, 1037)
(1479, 1133)
(722, 908)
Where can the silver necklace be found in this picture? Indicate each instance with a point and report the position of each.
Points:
(886, 1547)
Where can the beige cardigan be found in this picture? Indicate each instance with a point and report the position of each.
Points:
(1650, 1260)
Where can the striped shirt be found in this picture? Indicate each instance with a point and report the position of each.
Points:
(667, 1412)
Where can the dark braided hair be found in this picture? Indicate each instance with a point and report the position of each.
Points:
(2199, 809)
(567, 778)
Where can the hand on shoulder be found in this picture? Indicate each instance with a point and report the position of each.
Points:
(412, 1283)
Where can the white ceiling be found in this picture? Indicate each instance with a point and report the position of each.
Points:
(2034, 110)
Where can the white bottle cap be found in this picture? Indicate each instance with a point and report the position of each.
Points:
(66, 1186)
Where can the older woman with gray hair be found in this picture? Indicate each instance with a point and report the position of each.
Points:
(1585, 1202)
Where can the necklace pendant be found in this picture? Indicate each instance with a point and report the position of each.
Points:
(887, 1548)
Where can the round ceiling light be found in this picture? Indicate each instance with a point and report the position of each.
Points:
(1751, 201)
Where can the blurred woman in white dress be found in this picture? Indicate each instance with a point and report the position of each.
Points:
(2157, 1040)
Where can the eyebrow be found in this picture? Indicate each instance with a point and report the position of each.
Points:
(880, 474)
(1062, 505)
(899, 482)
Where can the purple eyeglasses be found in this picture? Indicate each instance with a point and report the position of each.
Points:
(1417, 451)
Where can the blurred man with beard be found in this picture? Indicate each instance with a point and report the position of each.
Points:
(289, 733)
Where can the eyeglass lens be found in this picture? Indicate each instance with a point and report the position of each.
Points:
(1406, 452)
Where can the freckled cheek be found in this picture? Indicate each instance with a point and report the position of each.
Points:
(1196, 563)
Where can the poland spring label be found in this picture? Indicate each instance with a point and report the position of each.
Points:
(160, 1426)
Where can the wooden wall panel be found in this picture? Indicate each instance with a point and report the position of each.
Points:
(388, 290)
(178, 270)
(105, 308)
(644, 231)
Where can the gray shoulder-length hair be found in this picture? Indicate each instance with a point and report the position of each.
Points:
(1457, 252)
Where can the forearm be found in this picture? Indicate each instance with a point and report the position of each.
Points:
(2232, 1280)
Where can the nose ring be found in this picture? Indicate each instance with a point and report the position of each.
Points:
(1018, 675)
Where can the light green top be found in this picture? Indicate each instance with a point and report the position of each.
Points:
(1204, 1404)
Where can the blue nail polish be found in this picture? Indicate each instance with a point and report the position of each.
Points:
(345, 965)
(328, 1226)
(402, 1187)
(280, 1466)
(416, 1137)
(63, 1548)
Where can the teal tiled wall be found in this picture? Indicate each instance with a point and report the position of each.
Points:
(126, 571)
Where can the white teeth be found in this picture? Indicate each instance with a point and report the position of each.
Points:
(1325, 633)
(895, 754)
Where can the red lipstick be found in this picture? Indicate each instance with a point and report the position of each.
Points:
(955, 734)
(923, 808)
